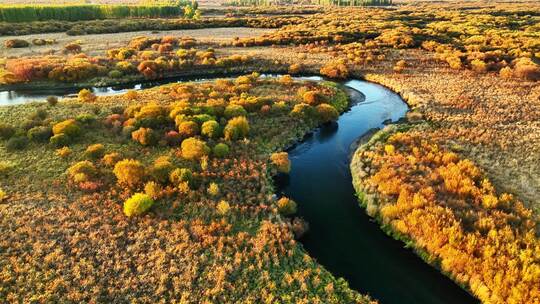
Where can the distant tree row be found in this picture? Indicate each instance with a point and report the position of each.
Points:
(319, 2)
(353, 2)
(26, 13)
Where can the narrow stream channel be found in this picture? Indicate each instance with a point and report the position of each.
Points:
(342, 237)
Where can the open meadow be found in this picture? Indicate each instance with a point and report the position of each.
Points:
(270, 152)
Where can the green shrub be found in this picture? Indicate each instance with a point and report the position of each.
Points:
(181, 175)
(303, 111)
(86, 118)
(127, 131)
(39, 42)
(52, 100)
(40, 133)
(16, 43)
(6, 168)
(193, 148)
(202, 118)
(129, 172)
(221, 150)
(161, 170)
(68, 127)
(115, 74)
(211, 129)
(6, 131)
(38, 115)
(60, 140)
(279, 107)
(138, 204)
(234, 110)
(82, 171)
(17, 143)
(95, 151)
(286, 206)
(236, 128)
(326, 112)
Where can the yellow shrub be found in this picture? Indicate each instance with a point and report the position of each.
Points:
(95, 151)
(129, 172)
(138, 204)
(86, 96)
(389, 149)
(286, 206)
(68, 127)
(111, 159)
(193, 148)
(213, 189)
(145, 136)
(3, 195)
(63, 152)
(223, 207)
(131, 95)
(236, 128)
(153, 190)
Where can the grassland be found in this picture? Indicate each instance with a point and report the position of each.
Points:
(214, 234)
(98, 44)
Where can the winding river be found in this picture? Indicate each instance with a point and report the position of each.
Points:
(342, 237)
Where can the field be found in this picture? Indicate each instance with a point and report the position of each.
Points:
(166, 193)
(98, 44)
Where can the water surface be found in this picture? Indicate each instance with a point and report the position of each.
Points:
(342, 237)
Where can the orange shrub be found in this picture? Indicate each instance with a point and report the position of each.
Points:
(312, 98)
(281, 161)
(188, 128)
(336, 70)
(145, 136)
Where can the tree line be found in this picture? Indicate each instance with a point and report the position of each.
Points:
(26, 13)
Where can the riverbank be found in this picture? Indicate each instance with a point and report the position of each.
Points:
(216, 231)
(450, 214)
(126, 81)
